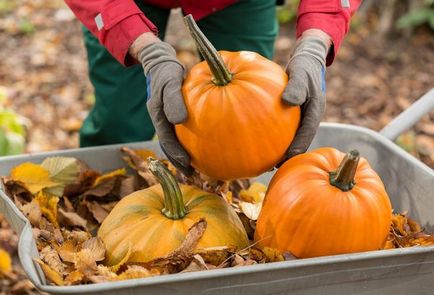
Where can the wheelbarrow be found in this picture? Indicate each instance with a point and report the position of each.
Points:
(409, 182)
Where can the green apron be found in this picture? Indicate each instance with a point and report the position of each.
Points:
(119, 114)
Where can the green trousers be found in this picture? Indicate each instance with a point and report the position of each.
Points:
(120, 114)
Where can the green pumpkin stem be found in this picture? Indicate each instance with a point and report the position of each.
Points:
(174, 207)
(221, 74)
(343, 177)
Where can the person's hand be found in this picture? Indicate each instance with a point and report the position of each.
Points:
(165, 75)
(306, 87)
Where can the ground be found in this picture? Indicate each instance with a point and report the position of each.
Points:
(43, 71)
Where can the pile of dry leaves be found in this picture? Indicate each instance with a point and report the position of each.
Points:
(66, 201)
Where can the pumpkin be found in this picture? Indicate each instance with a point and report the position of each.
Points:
(153, 222)
(324, 203)
(235, 112)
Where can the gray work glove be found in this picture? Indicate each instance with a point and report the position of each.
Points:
(306, 88)
(164, 75)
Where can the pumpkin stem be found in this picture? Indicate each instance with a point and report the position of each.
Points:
(174, 207)
(221, 74)
(343, 177)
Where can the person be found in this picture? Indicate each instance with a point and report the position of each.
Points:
(124, 39)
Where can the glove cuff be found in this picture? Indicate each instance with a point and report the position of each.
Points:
(155, 54)
(312, 46)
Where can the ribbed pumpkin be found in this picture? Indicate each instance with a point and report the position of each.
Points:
(153, 222)
(235, 112)
(324, 203)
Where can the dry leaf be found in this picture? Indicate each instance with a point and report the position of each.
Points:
(134, 272)
(63, 171)
(98, 211)
(272, 255)
(140, 165)
(23, 287)
(103, 189)
(85, 262)
(197, 264)
(97, 248)
(51, 274)
(71, 219)
(78, 237)
(33, 212)
(33, 176)
(254, 194)
(109, 175)
(51, 257)
(216, 255)
(251, 210)
(68, 250)
(5, 262)
(74, 277)
(179, 259)
(48, 205)
(84, 182)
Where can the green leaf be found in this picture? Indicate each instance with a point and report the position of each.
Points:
(62, 170)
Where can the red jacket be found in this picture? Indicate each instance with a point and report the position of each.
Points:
(117, 23)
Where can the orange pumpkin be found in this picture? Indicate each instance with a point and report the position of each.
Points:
(324, 203)
(235, 112)
(153, 222)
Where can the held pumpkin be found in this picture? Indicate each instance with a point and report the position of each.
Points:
(235, 112)
(324, 203)
(153, 222)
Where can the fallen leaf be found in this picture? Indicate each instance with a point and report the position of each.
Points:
(179, 259)
(140, 164)
(63, 170)
(51, 274)
(254, 194)
(272, 255)
(74, 277)
(48, 205)
(251, 210)
(33, 212)
(134, 272)
(97, 248)
(109, 175)
(33, 176)
(197, 264)
(22, 287)
(216, 255)
(68, 250)
(78, 237)
(103, 189)
(128, 186)
(84, 183)
(85, 262)
(5, 262)
(52, 259)
(99, 212)
(71, 219)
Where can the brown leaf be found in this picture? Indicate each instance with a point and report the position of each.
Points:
(84, 182)
(128, 186)
(85, 262)
(272, 255)
(216, 255)
(22, 287)
(179, 259)
(71, 219)
(73, 278)
(18, 191)
(140, 165)
(197, 264)
(98, 211)
(51, 274)
(51, 257)
(68, 250)
(134, 272)
(33, 212)
(103, 189)
(107, 176)
(79, 237)
(97, 248)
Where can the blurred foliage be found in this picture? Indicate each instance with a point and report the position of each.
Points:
(423, 15)
(12, 131)
(288, 12)
(7, 6)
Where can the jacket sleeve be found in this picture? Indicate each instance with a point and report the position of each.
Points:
(331, 16)
(116, 24)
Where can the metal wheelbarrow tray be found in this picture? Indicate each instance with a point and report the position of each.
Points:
(410, 185)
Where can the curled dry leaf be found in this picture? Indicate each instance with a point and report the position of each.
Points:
(71, 219)
(85, 262)
(109, 175)
(134, 272)
(74, 277)
(179, 259)
(52, 259)
(137, 161)
(97, 248)
(99, 211)
(197, 264)
(216, 255)
(33, 212)
(67, 250)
